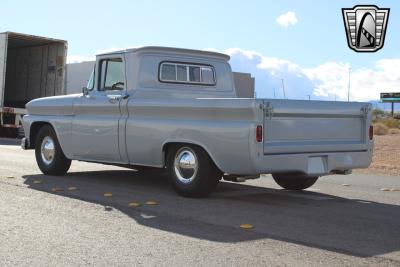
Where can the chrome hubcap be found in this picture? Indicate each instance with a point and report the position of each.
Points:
(47, 150)
(185, 165)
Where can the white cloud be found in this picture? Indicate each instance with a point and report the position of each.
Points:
(114, 48)
(287, 19)
(365, 83)
(210, 49)
(78, 59)
(269, 72)
(327, 81)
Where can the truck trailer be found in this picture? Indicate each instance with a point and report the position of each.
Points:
(30, 67)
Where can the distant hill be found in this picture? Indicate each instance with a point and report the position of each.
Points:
(385, 106)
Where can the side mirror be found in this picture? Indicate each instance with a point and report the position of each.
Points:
(85, 91)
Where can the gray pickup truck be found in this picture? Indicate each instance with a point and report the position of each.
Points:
(177, 110)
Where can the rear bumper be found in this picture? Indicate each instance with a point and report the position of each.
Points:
(315, 164)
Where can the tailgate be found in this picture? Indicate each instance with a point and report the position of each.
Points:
(297, 126)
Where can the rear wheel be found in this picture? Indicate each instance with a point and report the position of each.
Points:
(192, 172)
(49, 155)
(294, 181)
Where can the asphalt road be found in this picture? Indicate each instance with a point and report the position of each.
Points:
(331, 224)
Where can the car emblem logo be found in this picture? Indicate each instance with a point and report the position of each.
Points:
(365, 27)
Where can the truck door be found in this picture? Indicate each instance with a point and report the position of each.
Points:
(95, 125)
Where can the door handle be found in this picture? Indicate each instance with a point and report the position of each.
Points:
(116, 98)
(113, 99)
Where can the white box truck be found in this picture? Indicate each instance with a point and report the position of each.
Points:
(30, 67)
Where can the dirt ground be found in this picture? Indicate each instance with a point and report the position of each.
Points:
(386, 159)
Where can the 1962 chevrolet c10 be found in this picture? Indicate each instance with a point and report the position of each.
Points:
(177, 109)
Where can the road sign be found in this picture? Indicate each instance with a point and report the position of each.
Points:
(390, 97)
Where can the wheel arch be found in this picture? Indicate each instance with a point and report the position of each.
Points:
(168, 144)
(34, 130)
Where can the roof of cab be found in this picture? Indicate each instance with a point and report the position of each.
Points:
(170, 50)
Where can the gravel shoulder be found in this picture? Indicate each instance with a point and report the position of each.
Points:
(386, 158)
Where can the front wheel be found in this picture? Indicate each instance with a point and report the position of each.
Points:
(192, 172)
(49, 155)
(294, 181)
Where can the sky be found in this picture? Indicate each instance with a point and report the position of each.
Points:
(301, 42)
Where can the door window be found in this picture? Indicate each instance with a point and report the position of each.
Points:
(112, 74)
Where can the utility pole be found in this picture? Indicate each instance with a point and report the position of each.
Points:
(348, 89)
(283, 88)
(274, 93)
(392, 109)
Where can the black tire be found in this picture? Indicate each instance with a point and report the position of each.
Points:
(57, 164)
(202, 181)
(294, 181)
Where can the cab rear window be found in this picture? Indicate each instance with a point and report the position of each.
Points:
(189, 73)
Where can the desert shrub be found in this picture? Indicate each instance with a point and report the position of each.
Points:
(378, 111)
(380, 129)
(394, 131)
(391, 123)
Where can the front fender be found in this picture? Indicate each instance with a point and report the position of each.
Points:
(60, 124)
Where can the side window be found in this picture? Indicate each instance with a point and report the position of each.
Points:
(112, 74)
(189, 73)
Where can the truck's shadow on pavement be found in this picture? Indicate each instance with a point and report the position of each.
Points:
(349, 226)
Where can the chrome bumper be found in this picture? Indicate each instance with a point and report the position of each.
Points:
(315, 164)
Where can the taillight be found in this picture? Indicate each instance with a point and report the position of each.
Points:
(259, 133)
(371, 132)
